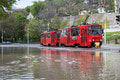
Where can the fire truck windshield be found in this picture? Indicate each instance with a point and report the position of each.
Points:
(95, 30)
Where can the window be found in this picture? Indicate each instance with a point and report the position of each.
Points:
(63, 33)
(95, 30)
(48, 35)
(75, 31)
(56, 34)
(42, 36)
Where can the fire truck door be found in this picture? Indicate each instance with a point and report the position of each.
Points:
(68, 37)
(45, 40)
(83, 37)
(52, 38)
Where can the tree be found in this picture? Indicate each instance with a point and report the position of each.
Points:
(37, 7)
(58, 23)
(110, 5)
(28, 9)
(116, 37)
(81, 20)
(5, 5)
(35, 28)
(14, 26)
(20, 23)
(55, 23)
(64, 23)
(7, 26)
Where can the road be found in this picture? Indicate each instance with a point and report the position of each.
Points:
(108, 47)
(36, 62)
(113, 30)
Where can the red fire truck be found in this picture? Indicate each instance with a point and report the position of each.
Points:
(89, 35)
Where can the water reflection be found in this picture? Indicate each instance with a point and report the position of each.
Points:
(45, 64)
(1, 61)
(11, 65)
(72, 65)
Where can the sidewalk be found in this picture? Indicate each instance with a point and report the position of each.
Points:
(111, 46)
(108, 47)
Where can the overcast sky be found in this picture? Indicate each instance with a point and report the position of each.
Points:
(24, 3)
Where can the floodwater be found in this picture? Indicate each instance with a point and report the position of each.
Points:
(45, 64)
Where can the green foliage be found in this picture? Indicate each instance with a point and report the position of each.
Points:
(14, 26)
(5, 4)
(80, 20)
(28, 9)
(78, 1)
(64, 23)
(35, 28)
(20, 22)
(113, 36)
(7, 27)
(37, 7)
(110, 5)
(58, 1)
(58, 23)
(3, 14)
(105, 23)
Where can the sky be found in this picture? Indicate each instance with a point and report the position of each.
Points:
(23, 3)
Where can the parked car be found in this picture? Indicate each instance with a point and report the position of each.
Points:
(7, 42)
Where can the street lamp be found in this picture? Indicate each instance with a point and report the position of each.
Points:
(3, 36)
(28, 35)
(29, 17)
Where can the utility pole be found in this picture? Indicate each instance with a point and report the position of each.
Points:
(28, 35)
(71, 21)
(3, 35)
(105, 29)
(29, 17)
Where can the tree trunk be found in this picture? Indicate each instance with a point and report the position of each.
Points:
(116, 41)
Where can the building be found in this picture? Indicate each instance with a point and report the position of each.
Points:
(30, 16)
(101, 10)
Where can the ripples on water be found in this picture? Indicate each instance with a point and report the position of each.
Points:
(45, 64)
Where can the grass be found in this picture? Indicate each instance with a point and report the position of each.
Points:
(112, 37)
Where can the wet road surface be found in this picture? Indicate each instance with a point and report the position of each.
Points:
(108, 47)
(21, 63)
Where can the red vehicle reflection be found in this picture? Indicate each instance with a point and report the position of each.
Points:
(84, 61)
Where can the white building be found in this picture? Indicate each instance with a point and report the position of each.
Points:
(30, 16)
(101, 10)
(86, 1)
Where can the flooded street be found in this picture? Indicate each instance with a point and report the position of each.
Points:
(44, 64)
